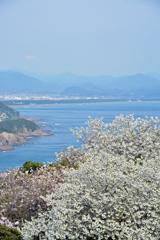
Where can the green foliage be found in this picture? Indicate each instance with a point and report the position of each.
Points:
(14, 123)
(29, 165)
(9, 233)
(10, 112)
(138, 156)
(17, 126)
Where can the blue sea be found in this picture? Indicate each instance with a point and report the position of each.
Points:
(63, 117)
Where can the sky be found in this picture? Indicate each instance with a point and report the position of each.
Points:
(85, 37)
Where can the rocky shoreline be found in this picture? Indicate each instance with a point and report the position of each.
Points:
(16, 130)
(8, 140)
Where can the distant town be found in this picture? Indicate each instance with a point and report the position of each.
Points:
(18, 100)
(33, 99)
(6, 97)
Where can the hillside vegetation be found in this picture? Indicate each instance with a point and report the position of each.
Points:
(10, 112)
(12, 122)
(18, 126)
(14, 129)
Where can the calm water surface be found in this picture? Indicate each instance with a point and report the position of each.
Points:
(62, 118)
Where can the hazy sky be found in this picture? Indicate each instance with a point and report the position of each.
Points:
(86, 37)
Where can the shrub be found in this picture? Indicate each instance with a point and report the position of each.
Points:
(115, 190)
(9, 233)
(30, 166)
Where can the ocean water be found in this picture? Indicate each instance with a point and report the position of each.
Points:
(62, 118)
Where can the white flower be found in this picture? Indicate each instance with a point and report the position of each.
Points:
(115, 189)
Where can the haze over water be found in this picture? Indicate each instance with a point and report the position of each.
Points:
(62, 118)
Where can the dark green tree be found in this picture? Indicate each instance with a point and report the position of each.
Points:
(9, 233)
(30, 166)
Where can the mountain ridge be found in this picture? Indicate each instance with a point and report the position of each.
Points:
(12, 82)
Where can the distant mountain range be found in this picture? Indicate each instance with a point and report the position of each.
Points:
(15, 82)
(135, 86)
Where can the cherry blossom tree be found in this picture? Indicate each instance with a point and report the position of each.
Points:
(20, 193)
(124, 136)
(114, 191)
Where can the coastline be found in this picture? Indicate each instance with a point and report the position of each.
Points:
(45, 147)
(9, 140)
(78, 103)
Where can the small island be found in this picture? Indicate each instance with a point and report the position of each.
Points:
(14, 128)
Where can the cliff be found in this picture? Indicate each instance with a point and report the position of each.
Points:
(7, 140)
